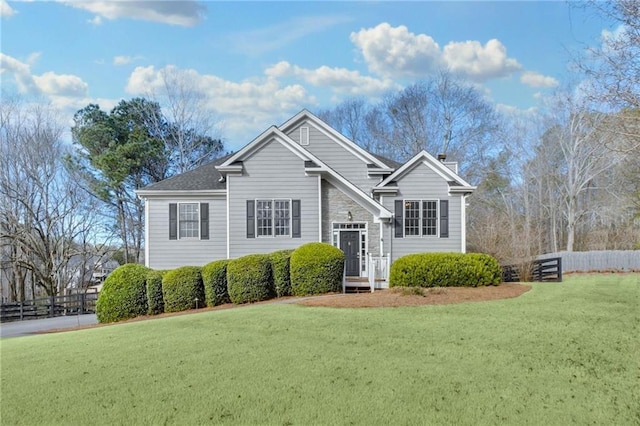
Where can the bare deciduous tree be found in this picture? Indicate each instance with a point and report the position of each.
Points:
(43, 211)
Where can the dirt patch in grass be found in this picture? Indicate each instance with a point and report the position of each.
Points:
(412, 296)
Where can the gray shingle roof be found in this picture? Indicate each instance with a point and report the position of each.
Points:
(389, 162)
(204, 177)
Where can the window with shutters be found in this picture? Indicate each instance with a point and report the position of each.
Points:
(273, 218)
(189, 220)
(420, 218)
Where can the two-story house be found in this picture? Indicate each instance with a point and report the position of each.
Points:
(305, 182)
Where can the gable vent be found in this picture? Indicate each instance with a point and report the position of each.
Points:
(304, 136)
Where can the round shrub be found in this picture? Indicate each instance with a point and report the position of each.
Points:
(445, 270)
(124, 294)
(181, 287)
(316, 268)
(249, 279)
(155, 302)
(280, 263)
(214, 278)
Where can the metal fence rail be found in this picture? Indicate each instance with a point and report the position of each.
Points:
(47, 307)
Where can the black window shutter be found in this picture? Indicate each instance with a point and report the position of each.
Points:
(398, 218)
(444, 218)
(173, 221)
(251, 219)
(295, 219)
(204, 221)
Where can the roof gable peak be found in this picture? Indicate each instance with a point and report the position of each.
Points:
(338, 137)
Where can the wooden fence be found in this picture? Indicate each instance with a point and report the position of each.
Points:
(598, 261)
(47, 307)
(541, 270)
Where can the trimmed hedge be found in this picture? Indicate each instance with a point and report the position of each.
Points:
(181, 287)
(445, 270)
(214, 278)
(280, 264)
(155, 300)
(316, 268)
(249, 279)
(124, 294)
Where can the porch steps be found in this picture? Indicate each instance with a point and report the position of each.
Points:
(357, 285)
(357, 289)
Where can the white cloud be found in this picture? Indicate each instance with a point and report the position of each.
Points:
(397, 52)
(246, 107)
(96, 20)
(478, 62)
(33, 58)
(123, 60)
(49, 83)
(339, 80)
(279, 35)
(534, 79)
(21, 73)
(390, 51)
(515, 112)
(65, 85)
(186, 13)
(5, 10)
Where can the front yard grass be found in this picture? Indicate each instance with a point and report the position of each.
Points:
(563, 353)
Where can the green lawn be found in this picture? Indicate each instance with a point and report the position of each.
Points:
(564, 353)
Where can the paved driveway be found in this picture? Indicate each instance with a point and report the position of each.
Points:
(23, 328)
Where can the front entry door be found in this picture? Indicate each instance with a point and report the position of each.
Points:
(350, 245)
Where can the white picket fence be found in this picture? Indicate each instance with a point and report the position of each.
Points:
(606, 260)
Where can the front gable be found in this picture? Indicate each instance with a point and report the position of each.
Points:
(425, 172)
(334, 149)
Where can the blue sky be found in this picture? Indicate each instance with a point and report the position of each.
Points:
(257, 63)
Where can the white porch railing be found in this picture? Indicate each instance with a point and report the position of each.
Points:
(378, 269)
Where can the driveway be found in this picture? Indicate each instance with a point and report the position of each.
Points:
(23, 328)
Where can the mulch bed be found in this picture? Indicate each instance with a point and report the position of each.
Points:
(397, 297)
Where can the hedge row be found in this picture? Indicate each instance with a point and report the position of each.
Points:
(445, 270)
(133, 290)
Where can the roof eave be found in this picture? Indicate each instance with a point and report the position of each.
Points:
(462, 189)
(147, 193)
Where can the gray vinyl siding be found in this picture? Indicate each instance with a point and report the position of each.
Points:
(335, 156)
(168, 254)
(422, 183)
(273, 172)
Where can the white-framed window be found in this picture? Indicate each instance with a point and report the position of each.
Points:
(411, 218)
(189, 220)
(273, 218)
(430, 218)
(264, 218)
(420, 218)
(282, 217)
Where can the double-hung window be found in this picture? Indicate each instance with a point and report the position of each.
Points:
(420, 218)
(189, 220)
(430, 218)
(273, 218)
